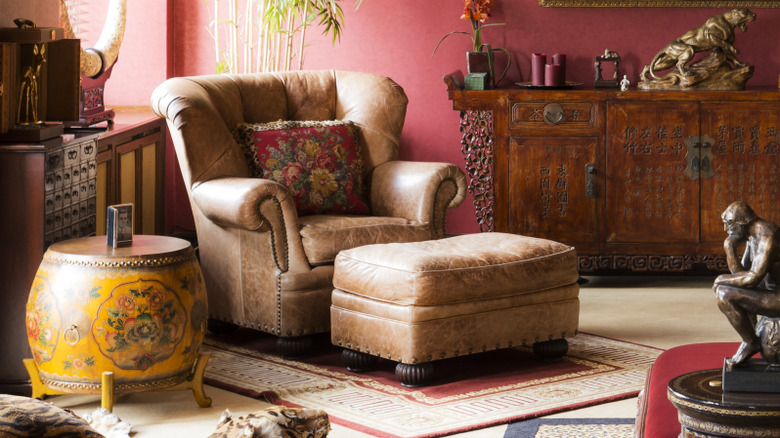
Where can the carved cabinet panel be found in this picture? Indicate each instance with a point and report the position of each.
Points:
(652, 181)
(552, 183)
(744, 153)
(635, 180)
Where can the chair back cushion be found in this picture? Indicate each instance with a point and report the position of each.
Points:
(319, 162)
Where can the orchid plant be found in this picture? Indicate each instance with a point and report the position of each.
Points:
(477, 12)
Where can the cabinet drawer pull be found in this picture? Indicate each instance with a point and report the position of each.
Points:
(590, 180)
(553, 114)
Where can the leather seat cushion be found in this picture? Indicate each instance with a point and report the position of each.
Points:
(459, 269)
(324, 236)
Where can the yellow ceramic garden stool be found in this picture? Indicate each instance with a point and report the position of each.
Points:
(107, 321)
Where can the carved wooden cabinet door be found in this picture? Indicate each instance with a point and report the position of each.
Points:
(744, 151)
(652, 175)
(554, 185)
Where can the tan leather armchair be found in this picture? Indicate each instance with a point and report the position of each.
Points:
(265, 267)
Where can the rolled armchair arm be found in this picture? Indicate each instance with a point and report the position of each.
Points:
(417, 191)
(233, 202)
(252, 204)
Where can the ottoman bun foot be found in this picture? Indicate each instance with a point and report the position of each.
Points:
(551, 351)
(414, 375)
(358, 362)
(294, 347)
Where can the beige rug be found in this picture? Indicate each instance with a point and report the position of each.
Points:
(469, 392)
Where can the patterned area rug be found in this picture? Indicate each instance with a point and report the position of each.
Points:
(468, 392)
(572, 428)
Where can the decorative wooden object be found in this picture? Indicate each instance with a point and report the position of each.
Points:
(609, 56)
(39, 72)
(477, 127)
(635, 180)
(138, 312)
(705, 410)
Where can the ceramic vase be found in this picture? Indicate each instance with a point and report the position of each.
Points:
(479, 62)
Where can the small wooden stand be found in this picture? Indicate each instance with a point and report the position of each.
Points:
(706, 411)
(193, 382)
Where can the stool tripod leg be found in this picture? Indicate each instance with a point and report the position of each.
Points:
(201, 398)
(38, 388)
(107, 391)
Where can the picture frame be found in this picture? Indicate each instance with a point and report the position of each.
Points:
(660, 3)
(119, 226)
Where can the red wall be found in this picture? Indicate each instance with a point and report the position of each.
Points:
(392, 38)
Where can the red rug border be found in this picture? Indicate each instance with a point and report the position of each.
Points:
(272, 398)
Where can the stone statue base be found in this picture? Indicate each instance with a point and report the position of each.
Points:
(713, 72)
(755, 375)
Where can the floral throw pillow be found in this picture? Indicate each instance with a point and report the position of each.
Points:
(319, 162)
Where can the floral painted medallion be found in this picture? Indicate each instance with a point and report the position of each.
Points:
(139, 324)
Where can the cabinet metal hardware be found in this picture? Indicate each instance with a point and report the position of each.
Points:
(706, 155)
(699, 157)
(71, 335)
(553, 114)
(590, 180)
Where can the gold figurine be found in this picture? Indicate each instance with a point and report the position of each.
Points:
(713, 72)
(27, 112)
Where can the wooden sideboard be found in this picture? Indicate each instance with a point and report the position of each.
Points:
(59, 189)
(635, 180)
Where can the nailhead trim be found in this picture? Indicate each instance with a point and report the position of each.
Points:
(414, 360)
(138, 263)
(118, 388)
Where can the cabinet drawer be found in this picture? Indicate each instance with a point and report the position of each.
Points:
(553, 115)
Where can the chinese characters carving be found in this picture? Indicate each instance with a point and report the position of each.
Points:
(554, 192)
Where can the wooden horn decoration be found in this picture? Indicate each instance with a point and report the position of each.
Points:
(96, 60)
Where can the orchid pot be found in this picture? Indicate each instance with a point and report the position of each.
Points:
(481, 59)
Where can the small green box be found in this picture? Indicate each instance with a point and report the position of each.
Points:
(476, 81)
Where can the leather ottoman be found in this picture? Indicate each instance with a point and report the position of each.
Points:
(418, 302)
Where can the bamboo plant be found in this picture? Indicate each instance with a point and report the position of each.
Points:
(269, 35)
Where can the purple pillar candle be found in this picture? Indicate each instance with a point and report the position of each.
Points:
(552, 75)
(538, 61)
(560, 59)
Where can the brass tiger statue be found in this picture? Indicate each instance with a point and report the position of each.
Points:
(717, 33)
